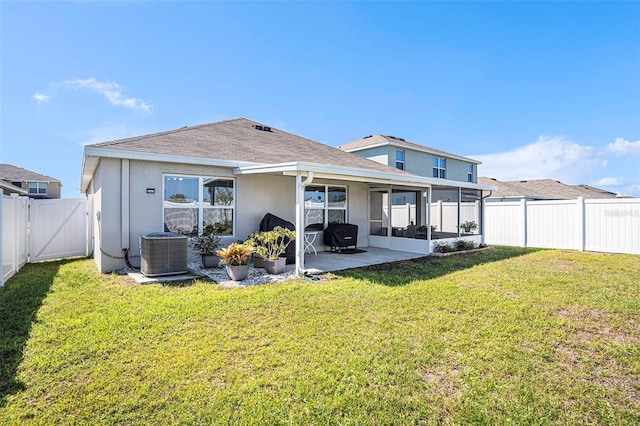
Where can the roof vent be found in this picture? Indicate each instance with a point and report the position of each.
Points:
(394, 137)
(258, 127)
(367, 137)
(263, 128)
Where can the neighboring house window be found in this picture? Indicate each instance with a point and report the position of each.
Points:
(37, 188)
(439, 168)
(470, 173)
(399, 159)
(324, 204)
(193, 205)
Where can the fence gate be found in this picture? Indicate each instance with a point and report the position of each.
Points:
(58, 228)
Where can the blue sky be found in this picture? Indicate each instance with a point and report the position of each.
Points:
(534, 90)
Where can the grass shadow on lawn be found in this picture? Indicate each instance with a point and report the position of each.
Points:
(20, 300)
(425, 268)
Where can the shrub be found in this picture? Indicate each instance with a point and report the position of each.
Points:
(207, 244)
(461, 245)
(442, 247)
(458, 245)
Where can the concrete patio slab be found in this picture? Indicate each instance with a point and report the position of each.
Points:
(330, 262)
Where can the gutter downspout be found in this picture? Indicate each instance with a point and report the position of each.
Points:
(300, 185)
(483, 212)
(124, 194)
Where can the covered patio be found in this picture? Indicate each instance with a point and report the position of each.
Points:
(400, 214)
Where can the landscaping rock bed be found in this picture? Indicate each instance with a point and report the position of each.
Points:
(256, 276)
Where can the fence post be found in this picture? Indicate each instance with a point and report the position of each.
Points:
(523, 207)
(16, 246)
(581, 223)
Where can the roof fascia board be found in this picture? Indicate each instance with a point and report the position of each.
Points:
(347, 173)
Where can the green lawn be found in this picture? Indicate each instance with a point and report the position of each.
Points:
(501, 336)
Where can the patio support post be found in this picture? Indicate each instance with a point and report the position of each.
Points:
(429, 217)
(459, 201)
(300, 185)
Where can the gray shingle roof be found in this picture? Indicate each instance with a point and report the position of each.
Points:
(545, 189)
(239, 140)
(377, 140)
(10, 172)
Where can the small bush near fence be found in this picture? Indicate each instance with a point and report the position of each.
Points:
(458, 245)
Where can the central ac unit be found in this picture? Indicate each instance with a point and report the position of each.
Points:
(163, 253)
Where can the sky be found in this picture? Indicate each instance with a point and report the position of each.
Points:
(532, 89)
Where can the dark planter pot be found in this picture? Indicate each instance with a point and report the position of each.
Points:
(258, 261)
(210, 261)
(275, 267)
(237, 272)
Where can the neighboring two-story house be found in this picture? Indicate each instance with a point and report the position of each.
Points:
(414, 158)
(25, 182)
(454, 209)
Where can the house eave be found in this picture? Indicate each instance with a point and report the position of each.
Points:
(92, 156)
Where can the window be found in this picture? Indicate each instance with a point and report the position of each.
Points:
(439, 168)
(399, 159)
(193, 205)
(324, 204)
(37, 187)
(470, 173)
(18, 184)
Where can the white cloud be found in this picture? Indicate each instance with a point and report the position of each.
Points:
(609, 181)
(113, 92)
(41, 97)
(554, 157)
(622, 146)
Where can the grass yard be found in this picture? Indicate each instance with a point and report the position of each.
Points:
(501, 336)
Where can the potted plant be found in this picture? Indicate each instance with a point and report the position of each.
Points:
(270, 245)
(207, 245)
(469, 226)
(235, 258)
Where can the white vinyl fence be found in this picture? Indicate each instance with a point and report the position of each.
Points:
(34, 230)
(593, 225)
(14, 218)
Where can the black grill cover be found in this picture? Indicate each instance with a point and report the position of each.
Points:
(269, 222)
(341, 235)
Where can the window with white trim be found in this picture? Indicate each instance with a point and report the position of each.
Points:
(194, 205)
(324, 204)
(38, 188)
(400, 159)
(439, 168)
(470, 173)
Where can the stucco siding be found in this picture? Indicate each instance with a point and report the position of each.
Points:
(106, 199)
(420, 163)
(255, 196)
